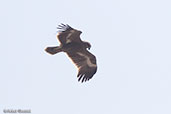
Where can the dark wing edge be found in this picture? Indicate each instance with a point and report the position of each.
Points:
(86, 64)
(63, 28)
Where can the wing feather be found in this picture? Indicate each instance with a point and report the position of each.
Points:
(67, 34)
(86, 64)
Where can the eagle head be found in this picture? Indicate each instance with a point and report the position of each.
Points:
(78, 32)
(87, 45)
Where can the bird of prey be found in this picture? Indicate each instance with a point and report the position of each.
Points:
(77, 51)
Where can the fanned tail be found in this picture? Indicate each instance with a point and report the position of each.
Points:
(53, 50)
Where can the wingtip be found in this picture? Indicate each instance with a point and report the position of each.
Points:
(82, 78)
(63, 27)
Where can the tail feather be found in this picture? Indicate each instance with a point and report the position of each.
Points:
(53, 50)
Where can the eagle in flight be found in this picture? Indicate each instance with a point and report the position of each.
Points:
(77, 51)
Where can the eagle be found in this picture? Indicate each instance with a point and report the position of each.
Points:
(77, 50)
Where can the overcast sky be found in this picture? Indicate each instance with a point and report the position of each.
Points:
(130, 38)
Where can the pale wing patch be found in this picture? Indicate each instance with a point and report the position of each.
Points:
(89, 63)
(67, 38)
(68, 41)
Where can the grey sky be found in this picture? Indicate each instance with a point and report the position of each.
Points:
(131, 40)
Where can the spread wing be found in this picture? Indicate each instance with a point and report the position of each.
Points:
(68, 34)
(86, 64)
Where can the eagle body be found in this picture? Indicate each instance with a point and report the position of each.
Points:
(72, 47)
(76, 49)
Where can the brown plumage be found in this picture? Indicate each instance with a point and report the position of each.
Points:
(76, 49)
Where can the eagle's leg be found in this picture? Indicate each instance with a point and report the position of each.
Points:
(53, 50)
